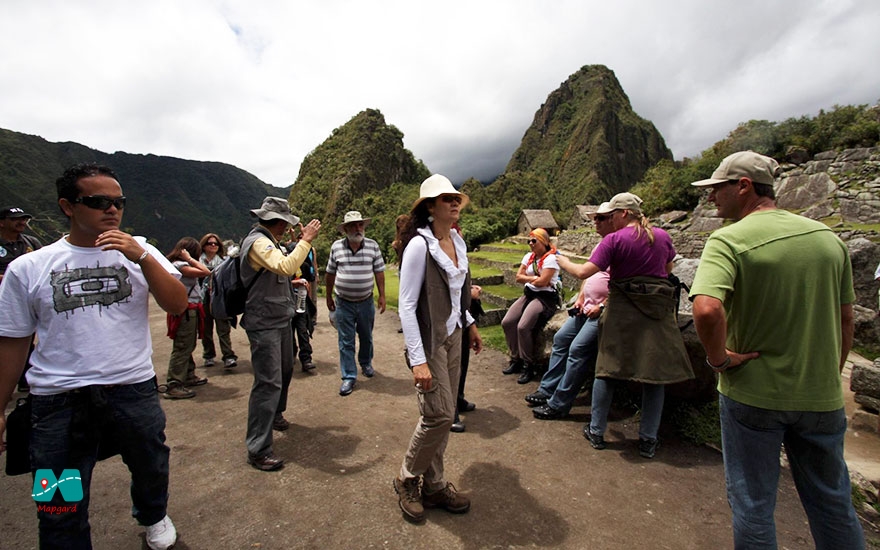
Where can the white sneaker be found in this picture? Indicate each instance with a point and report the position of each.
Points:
(229, 362)
(162, 535)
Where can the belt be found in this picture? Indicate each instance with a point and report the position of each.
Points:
(370, 297)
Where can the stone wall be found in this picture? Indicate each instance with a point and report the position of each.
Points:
(836, 188)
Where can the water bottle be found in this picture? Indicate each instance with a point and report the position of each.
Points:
(301, 294)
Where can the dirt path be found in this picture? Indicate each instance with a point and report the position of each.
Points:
(532, 483)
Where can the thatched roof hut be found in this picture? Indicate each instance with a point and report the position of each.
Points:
(582, 216)
(533, 219)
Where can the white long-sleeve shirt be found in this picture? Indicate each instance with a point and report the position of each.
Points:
(412, 276)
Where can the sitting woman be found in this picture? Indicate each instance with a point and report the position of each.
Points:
(539, 272)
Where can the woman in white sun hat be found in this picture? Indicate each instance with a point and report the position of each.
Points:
(433, 306)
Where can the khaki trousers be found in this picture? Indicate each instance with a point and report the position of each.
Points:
(437, 407)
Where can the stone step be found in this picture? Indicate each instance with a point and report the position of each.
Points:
(495, 248)
(488, 281)
(497, 264)
(491, 317)
(495, 300)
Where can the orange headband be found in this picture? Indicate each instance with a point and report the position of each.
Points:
(541, 235)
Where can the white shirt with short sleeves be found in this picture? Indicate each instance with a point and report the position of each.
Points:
(89, 309)
(550, 262)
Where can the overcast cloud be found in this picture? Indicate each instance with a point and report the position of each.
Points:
(260, 83)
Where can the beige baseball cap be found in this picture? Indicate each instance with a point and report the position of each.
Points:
(744, 164)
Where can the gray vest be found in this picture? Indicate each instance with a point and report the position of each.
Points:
(270, 302)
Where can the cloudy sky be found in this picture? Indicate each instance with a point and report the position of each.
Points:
(260, 83)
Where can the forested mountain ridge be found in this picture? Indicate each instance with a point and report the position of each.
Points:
(168, 198)
(584, 145)
(362, 166)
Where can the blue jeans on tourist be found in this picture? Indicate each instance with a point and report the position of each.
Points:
(752, 438)
(67, 428)
(572, 361)
(355, 318)
(653, 396)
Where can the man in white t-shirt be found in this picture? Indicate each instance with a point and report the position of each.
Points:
(92, 381)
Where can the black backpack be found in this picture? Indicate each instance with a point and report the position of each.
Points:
(227, 292)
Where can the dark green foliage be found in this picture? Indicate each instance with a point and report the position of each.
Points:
(698, 423)
(584, 145)
(483, 225)
(667, 187)
(169, 198)
(361, 166)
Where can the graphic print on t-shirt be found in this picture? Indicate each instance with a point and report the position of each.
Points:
(89, 286)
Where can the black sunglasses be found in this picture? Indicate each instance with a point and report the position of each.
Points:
(533, 241)
(600, 217)
(451, 199)
(212, 243)
(101, 202)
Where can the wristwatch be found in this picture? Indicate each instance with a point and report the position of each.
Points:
(720, 368)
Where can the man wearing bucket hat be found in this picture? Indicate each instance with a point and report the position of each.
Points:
(14, 243)
(267, 314)
(773, 307)
(353, 264)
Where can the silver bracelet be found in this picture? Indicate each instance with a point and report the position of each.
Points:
(142, 258)
(720, 368)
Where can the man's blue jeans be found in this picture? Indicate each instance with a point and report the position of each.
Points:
(752, 439)
(572, 360)
(63, 437)
(355, 318)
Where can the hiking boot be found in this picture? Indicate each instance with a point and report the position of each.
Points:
(195, 381)
(230, 362)
(513, 367)
(537, 398)
(648, 447)
(307, 366)
(280, 423)
(346, 388)
(596, 441)
(266, 463)
(529, 372)
(209, 362)
(448, 499)
(409, 498)
(546, 412)
(161, 535)
(368, 371)
(176, 390)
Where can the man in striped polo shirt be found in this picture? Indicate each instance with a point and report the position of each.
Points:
(354, 261)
